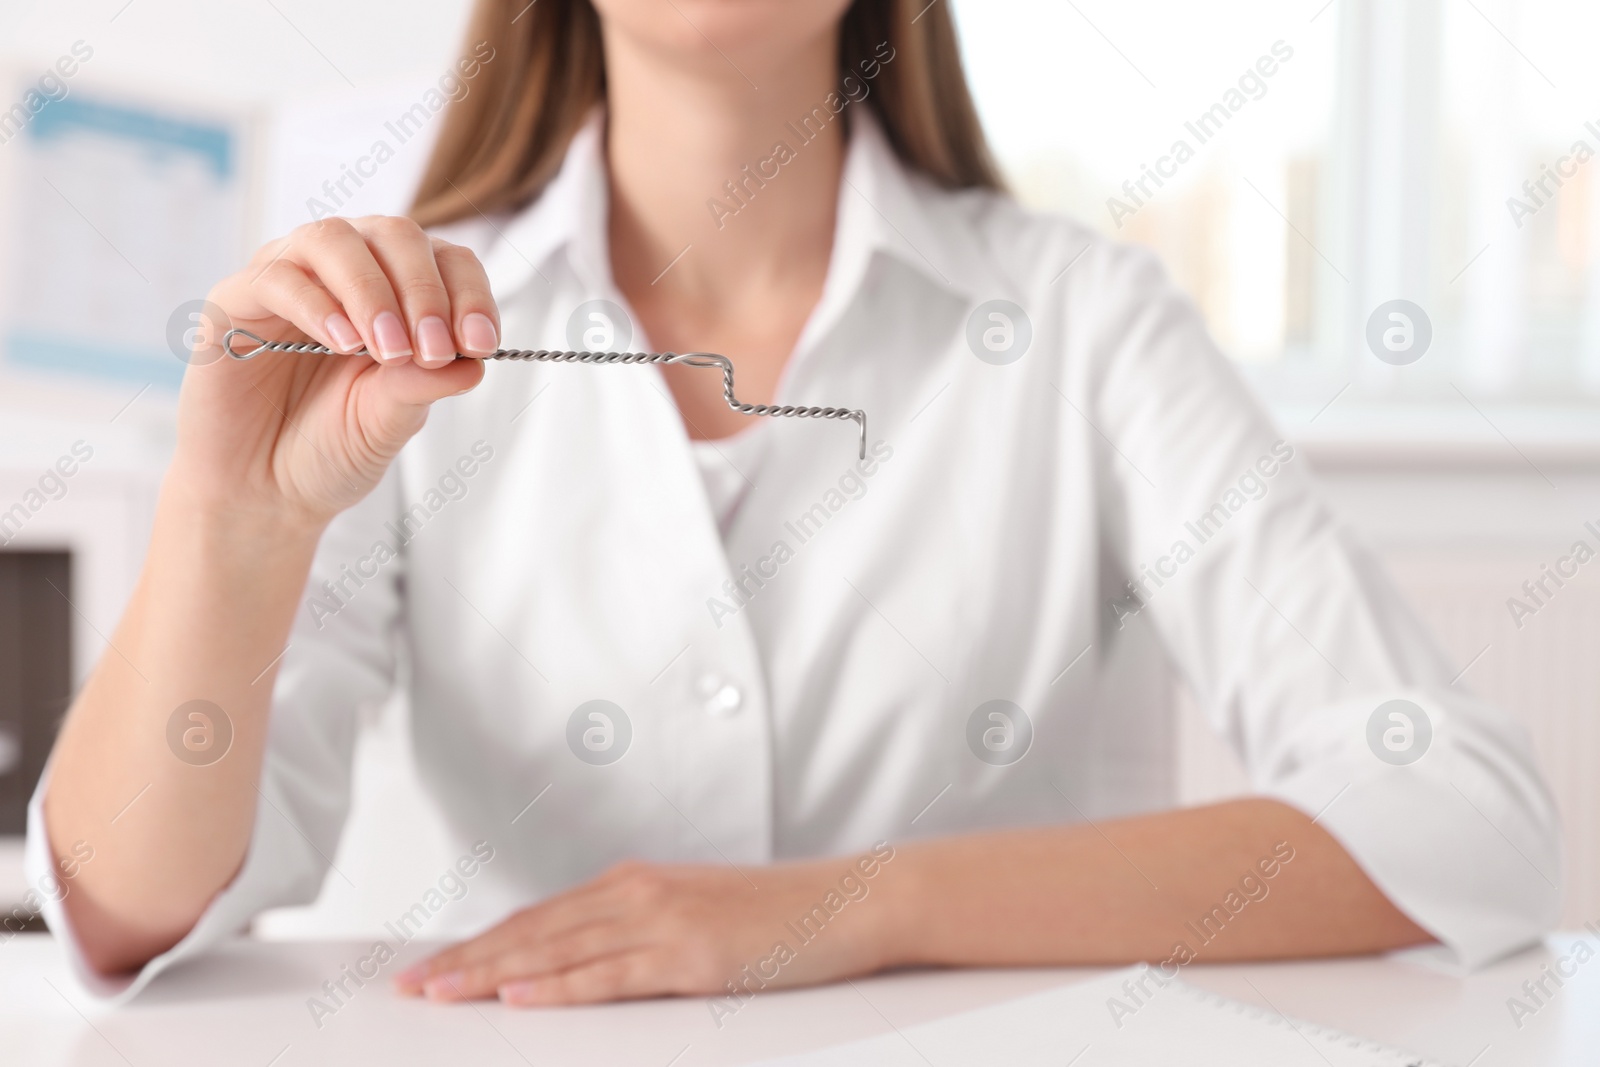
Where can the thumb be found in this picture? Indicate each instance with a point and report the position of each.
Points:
(393, 403)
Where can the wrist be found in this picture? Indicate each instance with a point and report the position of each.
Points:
(218, 557)
(239, 520)
(236, 548)
(900, 935)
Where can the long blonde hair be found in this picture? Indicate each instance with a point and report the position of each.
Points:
(503, 141)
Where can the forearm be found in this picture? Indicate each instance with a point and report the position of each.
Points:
(1247, 879)
(209, 617)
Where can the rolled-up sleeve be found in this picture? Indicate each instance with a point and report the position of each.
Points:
(340, 658)
(1298, 648)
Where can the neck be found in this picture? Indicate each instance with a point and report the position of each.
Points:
(679, 134)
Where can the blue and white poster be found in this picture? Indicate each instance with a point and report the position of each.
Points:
(121, 212)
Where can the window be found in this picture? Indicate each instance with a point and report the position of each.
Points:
(1300, 166)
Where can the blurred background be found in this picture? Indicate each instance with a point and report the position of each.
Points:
(1299, 165)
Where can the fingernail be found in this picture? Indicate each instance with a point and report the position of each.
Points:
(478, 333)
(445, 987)
(412, 975)
(393, 344)
(516, 992)
(433, 337)
(342, 332)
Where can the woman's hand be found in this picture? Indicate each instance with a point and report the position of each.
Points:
(643, 930)
(1055, 896)
(269, 450)
(306, 436)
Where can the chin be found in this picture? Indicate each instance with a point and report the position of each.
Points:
(762, 32)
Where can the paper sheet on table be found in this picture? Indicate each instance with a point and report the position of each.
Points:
(1101, 1023)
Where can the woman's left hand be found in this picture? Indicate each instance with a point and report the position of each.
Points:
(644, 930)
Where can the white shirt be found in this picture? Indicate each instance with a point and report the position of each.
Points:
(981, 553)
(730, 468)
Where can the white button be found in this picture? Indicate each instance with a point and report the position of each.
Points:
(719, 696)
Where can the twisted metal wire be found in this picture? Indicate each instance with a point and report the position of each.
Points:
(543, 355)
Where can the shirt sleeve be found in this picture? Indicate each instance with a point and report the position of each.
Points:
(1299, 649)
(341, 656)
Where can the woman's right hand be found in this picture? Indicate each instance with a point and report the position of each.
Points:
(302, 437)
(269, 450)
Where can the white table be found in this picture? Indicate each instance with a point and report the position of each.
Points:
(246, 1005)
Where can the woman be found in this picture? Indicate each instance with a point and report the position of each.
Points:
(726, 706)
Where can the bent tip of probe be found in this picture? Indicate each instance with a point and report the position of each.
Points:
(227, 343)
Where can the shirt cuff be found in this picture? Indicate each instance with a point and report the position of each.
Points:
(229, 912)
(1463, 840)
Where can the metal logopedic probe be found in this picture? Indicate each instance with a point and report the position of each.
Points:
(693, 359)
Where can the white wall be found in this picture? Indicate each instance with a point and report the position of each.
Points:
(242, 51)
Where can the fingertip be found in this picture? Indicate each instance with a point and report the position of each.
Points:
(412, 385)
(392, 343)
(342, 335)
(435, 347)
(517, 994)
(446, 987)
(474, 371)
(479, 335)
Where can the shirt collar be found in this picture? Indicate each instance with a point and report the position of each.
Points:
(884, 207)
(569, 214)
